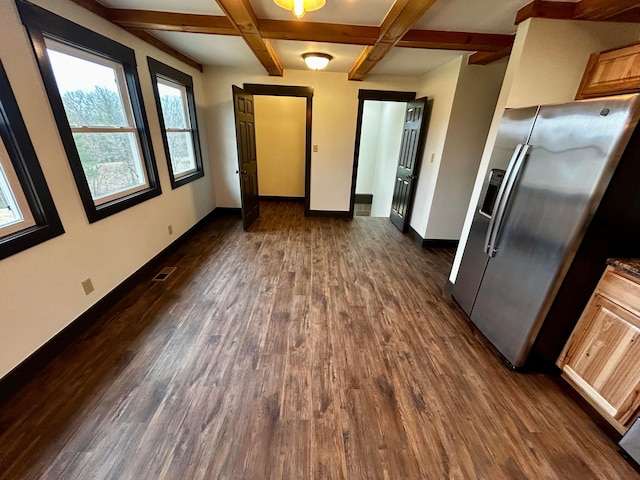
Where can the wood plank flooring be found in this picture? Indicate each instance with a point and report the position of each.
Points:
(304, 349)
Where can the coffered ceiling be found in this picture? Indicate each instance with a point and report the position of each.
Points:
(365, 37)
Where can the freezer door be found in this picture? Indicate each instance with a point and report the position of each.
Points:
(515, 128)
(573, 151)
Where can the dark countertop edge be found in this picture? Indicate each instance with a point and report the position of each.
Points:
(630, 266)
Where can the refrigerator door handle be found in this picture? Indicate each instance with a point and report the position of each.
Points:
(504, 200)
(500, 197)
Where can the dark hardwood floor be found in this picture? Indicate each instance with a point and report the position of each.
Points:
(306, 348)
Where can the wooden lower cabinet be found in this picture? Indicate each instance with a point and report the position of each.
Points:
(602, 357)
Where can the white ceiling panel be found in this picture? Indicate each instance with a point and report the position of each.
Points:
(413, 62)
(484, 16)
(349, 12)
(217, 50)
(203, 7)
(290, 54)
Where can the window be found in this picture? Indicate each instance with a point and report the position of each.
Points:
(27, 213)
(173, 91)
(95, 96)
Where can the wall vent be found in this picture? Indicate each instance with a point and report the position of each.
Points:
(164, 274)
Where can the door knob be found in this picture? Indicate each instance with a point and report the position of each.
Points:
(411, 177)
(237, 171)
(243, 172)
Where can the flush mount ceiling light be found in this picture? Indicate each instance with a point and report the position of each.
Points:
(316, 61)
(300, 7)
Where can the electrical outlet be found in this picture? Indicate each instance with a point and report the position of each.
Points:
(88, 286)
(433, 156)
(170, 229)
(315, 148)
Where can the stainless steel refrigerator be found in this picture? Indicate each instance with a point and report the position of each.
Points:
(553, 164)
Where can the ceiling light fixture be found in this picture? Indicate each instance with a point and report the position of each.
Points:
(300, 7)
(316, 61)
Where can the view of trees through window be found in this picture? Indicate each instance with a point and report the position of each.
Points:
(177, 127)
(110, 160)
(97, 107)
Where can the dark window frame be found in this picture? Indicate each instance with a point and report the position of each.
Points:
(25, 163)
(159, 69)
(41, 23)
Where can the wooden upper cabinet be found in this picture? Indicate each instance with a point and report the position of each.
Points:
(602, 357)
(611, 72)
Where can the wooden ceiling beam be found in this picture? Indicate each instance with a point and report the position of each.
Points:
(242, 16)
(172, 22)
(467, 41)
(545, 9)
(485, 58)
(104, 12)
(318, 32)
(592, 10)
(403, 14)
(604, 9)
(160, 45)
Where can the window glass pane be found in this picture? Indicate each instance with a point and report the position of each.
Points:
(181, 152)
(111, 162)
(173, 106)
(89, 91)
(9, 210)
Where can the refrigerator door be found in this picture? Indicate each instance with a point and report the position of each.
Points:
(574, 149)
(515, 128)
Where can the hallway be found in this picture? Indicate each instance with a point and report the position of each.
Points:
(304, 348)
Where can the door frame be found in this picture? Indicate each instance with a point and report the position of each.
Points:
(363, 95)
(293, 91)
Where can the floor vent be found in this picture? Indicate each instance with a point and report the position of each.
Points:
(164, 274)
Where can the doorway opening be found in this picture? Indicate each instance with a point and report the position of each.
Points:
(283, 141)
(378, 138)
(381, 135)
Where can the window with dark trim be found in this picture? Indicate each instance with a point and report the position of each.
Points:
(27, 213)
(173, 91)
(94, 91)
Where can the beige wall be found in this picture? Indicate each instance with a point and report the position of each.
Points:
(464, 98)
(440, 87)
(40, 287)
(546, 65)
(280, 145)
(335, 109)
(473, 108)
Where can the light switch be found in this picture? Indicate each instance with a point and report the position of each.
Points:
(315, 148)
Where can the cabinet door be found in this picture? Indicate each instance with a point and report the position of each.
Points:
(603, 357)
(611, 72)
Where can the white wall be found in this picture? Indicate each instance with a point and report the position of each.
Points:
(368, 154)
(40, 287)
(440, 87)
(335, 109)
(473, 108)
(388, 149)
(545, 66)
(280, 145)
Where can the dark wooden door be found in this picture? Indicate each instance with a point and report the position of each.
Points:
(413, 137)
(247, 164)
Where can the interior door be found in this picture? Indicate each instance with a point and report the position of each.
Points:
(411, 148)
(247, 164)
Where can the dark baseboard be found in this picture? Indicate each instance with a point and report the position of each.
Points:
(431, 243)
(365, 198)
(328, 213)
(225, 212)
(415, 236)
(272, 198)
(28, 368)
(448, 287)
